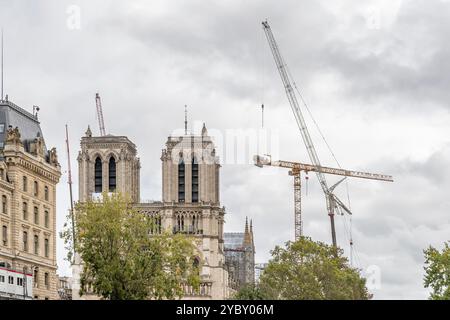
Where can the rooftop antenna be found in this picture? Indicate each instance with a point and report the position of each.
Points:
(185, 120)
(262, 115)
(2, 65)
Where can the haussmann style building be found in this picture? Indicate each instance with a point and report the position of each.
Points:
(29, 172)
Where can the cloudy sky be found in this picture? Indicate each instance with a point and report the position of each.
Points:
(375, 76)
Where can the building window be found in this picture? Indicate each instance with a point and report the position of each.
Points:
(36, 215)
(4, 204)
(46, 219)
(112, 174)
(36, 244)
(36, 189)
(46, 248)
(46, 280)
(98, 175)
(46, 193)
(25, 210)
(194, 180)
(2, 279)
(36, 279)
(24, 184)
(181, 180)
(2, 173)
(25, 241)
(11, 280)
(20, 282)
(5, 235)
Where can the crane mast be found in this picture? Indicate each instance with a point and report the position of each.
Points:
(101, 123)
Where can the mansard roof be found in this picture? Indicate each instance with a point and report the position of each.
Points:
(27, 123)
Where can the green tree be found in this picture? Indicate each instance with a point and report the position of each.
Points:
(437, 272)
(121, 260)
(250, 292)
(308, 270)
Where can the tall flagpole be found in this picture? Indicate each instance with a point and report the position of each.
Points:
(70, 192)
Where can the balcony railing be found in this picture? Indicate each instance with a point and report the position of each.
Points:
(203, 290)
(187, 230)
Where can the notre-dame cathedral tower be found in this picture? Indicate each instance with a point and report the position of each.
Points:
(190, 197)
(108, 164)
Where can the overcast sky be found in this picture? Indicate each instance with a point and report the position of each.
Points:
(375, 75)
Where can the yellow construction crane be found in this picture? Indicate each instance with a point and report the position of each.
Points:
(295, 170)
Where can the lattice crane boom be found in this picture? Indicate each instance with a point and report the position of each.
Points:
(282, 69)
(101, 122)
(266, 160)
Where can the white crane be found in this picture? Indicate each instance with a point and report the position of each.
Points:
(332, 201)
(101, 123)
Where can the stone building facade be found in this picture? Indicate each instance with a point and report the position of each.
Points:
(190, 197)
(29, 173)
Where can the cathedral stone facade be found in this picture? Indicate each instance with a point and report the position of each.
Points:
(190, 197)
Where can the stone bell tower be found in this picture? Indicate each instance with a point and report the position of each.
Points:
(108, 164)
(190, 169)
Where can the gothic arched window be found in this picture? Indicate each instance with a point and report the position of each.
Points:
(98, 175)
(194, 180)
(112, 174)
(181, 179)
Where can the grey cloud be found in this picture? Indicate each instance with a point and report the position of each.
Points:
(149, 59)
